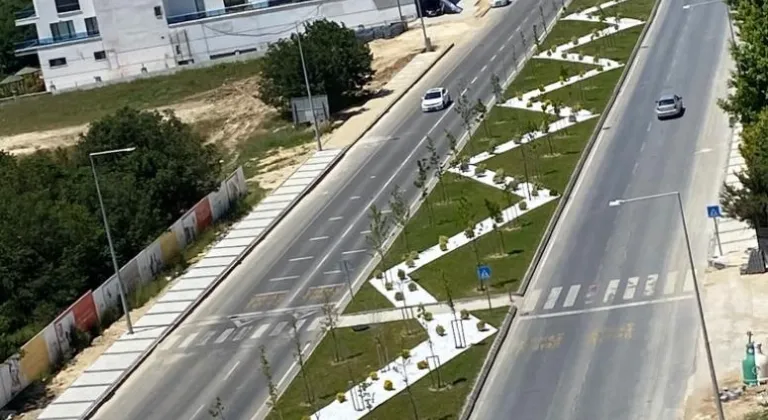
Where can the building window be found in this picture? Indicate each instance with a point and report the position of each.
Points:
(64, 6)
(158, 12)
(234, 3)
(100, 55)
(91, 26)
(57, 62)
(63, 30)
(97, 79)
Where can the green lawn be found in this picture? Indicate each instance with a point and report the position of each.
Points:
(540, 72)
(565, 31)
(553, 170)
(504, 124)
(81, 107)
(358, 351)
(616, 47)
(367, 299)
(424, 230)
(460, 374)
(636, 9)
(520, 240)
(591, 94)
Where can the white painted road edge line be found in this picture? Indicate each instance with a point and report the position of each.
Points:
(606, 308)
(231, 371)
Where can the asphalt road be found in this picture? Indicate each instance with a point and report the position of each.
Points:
(211, 355)
(609, 328)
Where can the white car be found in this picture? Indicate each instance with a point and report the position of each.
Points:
(669, 106)
(499, 3)
(435, 99)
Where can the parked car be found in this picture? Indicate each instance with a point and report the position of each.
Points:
(500, 3)
(669, 106)
(435, 99)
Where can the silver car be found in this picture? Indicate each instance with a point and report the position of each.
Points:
(669, 106)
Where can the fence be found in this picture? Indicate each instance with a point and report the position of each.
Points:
(49, 346)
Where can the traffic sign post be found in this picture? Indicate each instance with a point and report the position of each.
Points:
(484, 275)
(714, 213)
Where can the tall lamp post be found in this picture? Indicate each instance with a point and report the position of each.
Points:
(121, 287)
(427, 44)
(309, 90)
(713, 376)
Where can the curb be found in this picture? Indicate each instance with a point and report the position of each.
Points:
(135, 365)
(584, 156)
(485, 370)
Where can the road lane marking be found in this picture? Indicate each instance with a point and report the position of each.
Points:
(318, 238)
(485, 67)
(354, 251)
(473, 81)
(284, 278)
(649, 127)
(335, 218)
(299, 323)
(207, 336)
(650, 285)
(386, 211)
(591, 292)
(240, 334)
(629, 292)
(688, 285)
(573, 293)
(300, 258)
(224, 334)
(530, 301)
(610, 292)
(494, 57)
(168, 342)
(231, 371)
(332, 272)
(259, 331)
(354, 197)
(606, 308)
(278, 328)
(188, 340)
(502, 47)
(554, 293)
(669, 282)
(365, 232)
(202, 407)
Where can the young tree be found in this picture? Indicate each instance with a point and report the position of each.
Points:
(545, 129)
(467, 220)
(339, 65)
(266, 370)
(330, 319)
(495, 213)
(532, 129)
(466, 110)
(480, 111)
(421, 183)
(408, 390)
(401, 212)
(378, 224)
(434, 162)
(217, 409)
(299, 355)
(498, 90)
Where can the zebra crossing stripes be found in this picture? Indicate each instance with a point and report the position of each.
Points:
(259, 331)
(650, 285)
(573, 293)
(610, 292)
(629, 291)
(224, 334)
(669, 286)
(554, 293)
(529, 303)
(187, 340)
(278, 328)
(688, 285)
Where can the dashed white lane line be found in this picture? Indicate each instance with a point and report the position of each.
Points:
(331, 272)
(354, 197)
(473, 80)
(231, 371)
(202, 407)
(485, 67)
(335, 218)
(354, 251)
(649, 127)
(284, 278)
(301, 258)
(494, 57)
(365, 232)
(318, 238)
(607, 308)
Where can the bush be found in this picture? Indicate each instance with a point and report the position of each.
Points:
(440, 330)
(443, 240)
(374, 376)
(523, 206)
(405, 353)
(553, 193)
(464, 314)
(412, 287)
(340, 397)
(422, 364)
(480, 170)
(499, 177)
(414, 255)
(428, 316)
(529, 104)
(399, 296)
(575, 40)
(535, 190)
(549, 53)
(541, 88)
(481, 325)
(409, 262)
(464, 163)
(401, 274)
(388, 285)
(564, 55)
(378, 274)
(388, 386)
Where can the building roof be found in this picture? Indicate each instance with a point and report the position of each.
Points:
(11, 79)
(27, 70)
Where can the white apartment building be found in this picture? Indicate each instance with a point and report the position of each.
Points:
(81, 43)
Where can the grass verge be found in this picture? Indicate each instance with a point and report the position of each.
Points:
(566, 30)
(635, 9)
(616, 47)
(367, 299)
(539, 72)
(81, 107)
(359, 358)
(460, 374)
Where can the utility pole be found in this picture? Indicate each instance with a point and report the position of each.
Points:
(309, 90)
(427, 44)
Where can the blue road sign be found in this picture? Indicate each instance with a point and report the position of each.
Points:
(714, 212)
(483, 272)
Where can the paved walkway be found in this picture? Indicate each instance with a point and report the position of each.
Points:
(123, 355)
(396, 314)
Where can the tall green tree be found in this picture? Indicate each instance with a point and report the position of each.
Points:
(338, 65)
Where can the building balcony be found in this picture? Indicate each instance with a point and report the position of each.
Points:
(31, 45)
(246, 7)
(26, 16)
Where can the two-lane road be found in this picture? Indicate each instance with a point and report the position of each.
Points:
(608, 328)
(213, 354)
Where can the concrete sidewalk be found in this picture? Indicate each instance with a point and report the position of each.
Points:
(396, 314)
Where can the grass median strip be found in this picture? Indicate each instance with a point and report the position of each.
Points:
(566, 30)
(616, 47)
(541, 73)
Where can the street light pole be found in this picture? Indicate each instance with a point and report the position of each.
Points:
(427, 44)
(121, 287)
(309, 90)
(707, 348)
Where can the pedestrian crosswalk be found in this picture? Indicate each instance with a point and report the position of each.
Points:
(613, 291)
(268, 328)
